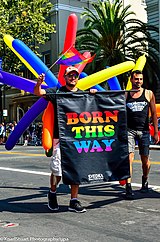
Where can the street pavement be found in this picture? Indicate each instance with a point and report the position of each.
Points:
(24, 182)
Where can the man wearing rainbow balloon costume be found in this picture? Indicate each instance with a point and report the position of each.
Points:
(71, 77)
(138, 103)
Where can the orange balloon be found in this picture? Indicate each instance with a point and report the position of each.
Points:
(48, 126)
(157, 110)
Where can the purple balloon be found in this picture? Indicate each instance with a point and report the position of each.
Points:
(24, 123)
(18, 82)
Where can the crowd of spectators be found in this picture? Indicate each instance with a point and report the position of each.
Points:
(31, 136)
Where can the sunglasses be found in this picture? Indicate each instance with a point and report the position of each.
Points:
(75, 75)
(136, 78)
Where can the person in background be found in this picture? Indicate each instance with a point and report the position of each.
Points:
(138, 102)
(2, 133)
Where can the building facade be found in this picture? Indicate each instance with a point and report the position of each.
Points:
(153, 14)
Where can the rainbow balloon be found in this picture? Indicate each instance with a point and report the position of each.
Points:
(36, 66)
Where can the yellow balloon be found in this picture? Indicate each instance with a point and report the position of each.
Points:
(105, 74)
(140, 63)
(8, 39)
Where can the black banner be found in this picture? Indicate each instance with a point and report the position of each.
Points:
(93, 137)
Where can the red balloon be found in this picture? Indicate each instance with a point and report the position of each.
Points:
(48, 120)
(159, 134)
(151, 130)
(122, 182)
(70, 39)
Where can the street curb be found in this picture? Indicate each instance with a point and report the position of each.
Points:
(151, 147)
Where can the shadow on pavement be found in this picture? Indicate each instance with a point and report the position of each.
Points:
(97, 195)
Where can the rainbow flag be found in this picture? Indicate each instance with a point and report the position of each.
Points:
(73, 57)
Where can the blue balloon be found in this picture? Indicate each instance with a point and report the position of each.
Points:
(82, 75)
(99, 88)
(113, 83)
(35, 62)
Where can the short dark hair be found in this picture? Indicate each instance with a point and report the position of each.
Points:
(135, 72)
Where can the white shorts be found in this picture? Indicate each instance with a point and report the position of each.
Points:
(55, 164)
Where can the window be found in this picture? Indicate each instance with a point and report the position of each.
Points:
(47, 59)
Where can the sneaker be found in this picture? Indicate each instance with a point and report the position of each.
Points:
(52, 201)
(129, 192)
(76, 206)
(144, 188)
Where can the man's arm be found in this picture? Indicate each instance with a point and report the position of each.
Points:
(37, 89)
(154, 118)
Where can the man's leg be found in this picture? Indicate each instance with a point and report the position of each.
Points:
(144, 153)
(55, 166)
(145, 168)
(75, 205)
(131, 148)
(52, 197)
(54, 181)
(129, 192)
(74, 191)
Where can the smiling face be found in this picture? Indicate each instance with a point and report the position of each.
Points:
(71, 79)
(137, 81)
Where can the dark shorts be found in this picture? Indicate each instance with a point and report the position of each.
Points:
(141, 138)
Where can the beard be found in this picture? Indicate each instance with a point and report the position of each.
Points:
(137, 85)
(70, 84)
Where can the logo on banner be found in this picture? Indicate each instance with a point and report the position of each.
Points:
(95, 177)
(95, 129)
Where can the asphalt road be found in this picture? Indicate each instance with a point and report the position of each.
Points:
(24, 181)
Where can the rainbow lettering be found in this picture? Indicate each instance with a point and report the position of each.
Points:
(104, 128)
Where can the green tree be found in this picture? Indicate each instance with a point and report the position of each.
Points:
(27, 20)
(115, 36)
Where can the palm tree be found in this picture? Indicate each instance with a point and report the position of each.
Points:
(111, 33)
